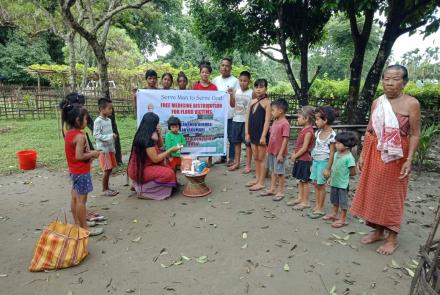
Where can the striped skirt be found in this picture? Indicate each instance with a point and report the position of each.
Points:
(380, 194)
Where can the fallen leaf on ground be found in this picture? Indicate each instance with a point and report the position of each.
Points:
(244, 246)
(185, 258)
(202, 259)
(410, 272)
(394, 264)
(3, 275)
(286, 267)
(244, 235)
(130, 291)
(137, 239)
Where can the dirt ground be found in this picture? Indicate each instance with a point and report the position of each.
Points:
(143, 238)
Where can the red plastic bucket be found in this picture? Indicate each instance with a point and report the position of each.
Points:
(27, 159)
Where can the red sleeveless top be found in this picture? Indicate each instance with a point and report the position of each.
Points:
(75, 166)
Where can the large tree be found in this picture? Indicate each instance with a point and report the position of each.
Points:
(288, 27)
(401, 16)
(99, 17)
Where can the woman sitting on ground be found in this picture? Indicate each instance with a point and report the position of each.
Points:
(152, 177)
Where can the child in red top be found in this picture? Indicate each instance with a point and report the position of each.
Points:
(79, 157)
(277, 149)
(204, 83)
(302, 158)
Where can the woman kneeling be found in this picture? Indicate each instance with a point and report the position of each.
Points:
(152, 177)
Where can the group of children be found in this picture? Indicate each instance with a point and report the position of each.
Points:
(322, 157)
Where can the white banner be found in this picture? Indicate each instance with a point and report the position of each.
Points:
(203, 115)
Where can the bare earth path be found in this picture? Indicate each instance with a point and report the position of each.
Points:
(127, 259)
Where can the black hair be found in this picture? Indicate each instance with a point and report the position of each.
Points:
(205, 65)
(347, 138)
(150, 73)
(142, 140)
(70, 113)
(399, 68)
(280, 104)
(172, 121)
(228, 59)
(75, 98)
(169, 75)
(326, 113)
(245, 74)
(260, 82)
(181, 75)
(103, 102)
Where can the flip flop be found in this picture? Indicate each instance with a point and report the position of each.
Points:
(250, 183)
(109, 193)
(254, 189)
(316, 215)
(96, 231)
(301, 207)
(94, 216)
(339, 224)
(277, 198)
(330, 217)
(293, 202)
(267, 193)
(233, 168)
(247, 171)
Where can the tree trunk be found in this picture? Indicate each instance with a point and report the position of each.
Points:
(105, 91)
(304, 74)
(72, 61)
(360, 41)
(374, 74)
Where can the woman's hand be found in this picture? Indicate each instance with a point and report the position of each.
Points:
(406, 169)
(263, 140)
(174, 149)
(360, 164)
(247, 137)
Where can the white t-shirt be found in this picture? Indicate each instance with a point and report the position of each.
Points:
(223, 84)
(321, 151)
(242, 99)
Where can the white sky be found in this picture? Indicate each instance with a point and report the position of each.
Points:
(402, 45)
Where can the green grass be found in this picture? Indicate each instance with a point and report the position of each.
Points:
(43, 136)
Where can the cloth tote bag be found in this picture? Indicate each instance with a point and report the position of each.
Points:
(60, 245)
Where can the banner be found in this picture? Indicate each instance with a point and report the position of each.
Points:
(203, 115)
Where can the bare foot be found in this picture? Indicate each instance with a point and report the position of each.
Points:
(373, 237)
(388, 247)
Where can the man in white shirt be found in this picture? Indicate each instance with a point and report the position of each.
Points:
(227, 82)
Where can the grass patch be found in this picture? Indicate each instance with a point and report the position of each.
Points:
(42, 135)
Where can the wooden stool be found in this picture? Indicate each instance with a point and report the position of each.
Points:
(196, 186)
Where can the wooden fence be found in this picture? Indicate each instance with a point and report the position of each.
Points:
(31, 102)
(21, 102)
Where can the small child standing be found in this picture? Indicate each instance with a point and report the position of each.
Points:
(105, 143)
(343, 167)
(257, 132)
(174, 138)
(79, 157)
(277, 149)
(243, 96)
(302, 158)
(322, 155)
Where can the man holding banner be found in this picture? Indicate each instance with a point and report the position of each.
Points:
(227, 82)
